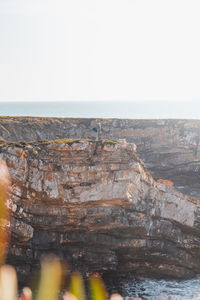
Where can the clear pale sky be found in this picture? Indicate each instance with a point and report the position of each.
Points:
(99, 50)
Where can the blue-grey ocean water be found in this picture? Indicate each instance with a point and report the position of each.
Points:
(149, 289)
(104, 109)
(152, 289)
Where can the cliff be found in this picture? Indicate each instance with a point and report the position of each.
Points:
(170, 149)
(95, 205)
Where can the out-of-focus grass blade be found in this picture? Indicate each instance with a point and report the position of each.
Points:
(119, 297)
(76, 286)
(26, 294)
(97, 288)
(8, 283)
(5, 188)
(69, 296)
(50, 281)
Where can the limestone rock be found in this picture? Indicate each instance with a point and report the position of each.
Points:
(94, 204)
(169, 148)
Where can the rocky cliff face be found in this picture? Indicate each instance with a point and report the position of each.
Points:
(169, 148)
(94, 204)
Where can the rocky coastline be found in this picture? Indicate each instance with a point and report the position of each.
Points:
(96, 204)
(169, 148)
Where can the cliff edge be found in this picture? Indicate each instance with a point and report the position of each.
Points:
(94, 204)
(169, 148)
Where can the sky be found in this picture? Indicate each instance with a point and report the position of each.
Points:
(94, 50)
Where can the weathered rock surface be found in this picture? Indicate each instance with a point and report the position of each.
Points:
(94, 204)
(169, 148)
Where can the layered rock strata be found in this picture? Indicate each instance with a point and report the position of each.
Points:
(169, 148)
(94, 204)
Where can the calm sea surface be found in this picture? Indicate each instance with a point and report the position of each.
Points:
(103, 109)
(148, 289)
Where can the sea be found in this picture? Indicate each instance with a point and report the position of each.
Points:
(104, 109)
(154, 289)
(148, 289)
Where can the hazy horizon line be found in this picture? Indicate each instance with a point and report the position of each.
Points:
(101, 109)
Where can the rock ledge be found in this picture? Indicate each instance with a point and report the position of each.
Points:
(94, 204)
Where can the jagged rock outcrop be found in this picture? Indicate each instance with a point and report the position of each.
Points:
(169, 148)
(95, 205)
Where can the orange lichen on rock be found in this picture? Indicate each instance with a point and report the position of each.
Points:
(22, 154)
(165, 182)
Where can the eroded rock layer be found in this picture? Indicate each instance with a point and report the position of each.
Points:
(169, 148)
(95, 205)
